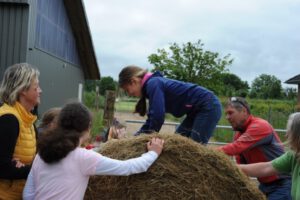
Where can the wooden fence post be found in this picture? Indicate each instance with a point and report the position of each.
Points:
(97, 98)
(298, 99)
(109, 107)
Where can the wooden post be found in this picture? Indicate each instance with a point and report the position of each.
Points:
(97, 98)
(109, 107)
(80, 89)
(298, 99)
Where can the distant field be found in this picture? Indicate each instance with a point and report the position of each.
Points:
(125, 106)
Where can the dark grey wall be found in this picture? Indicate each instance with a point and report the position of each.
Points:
(59, 80)
(13, 34)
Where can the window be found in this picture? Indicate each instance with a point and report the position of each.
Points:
(53, 31)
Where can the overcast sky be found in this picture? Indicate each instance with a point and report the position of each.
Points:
(262, 36)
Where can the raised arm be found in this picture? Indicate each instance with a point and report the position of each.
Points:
(258, 169)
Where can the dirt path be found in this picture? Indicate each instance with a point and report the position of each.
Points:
(133, 127)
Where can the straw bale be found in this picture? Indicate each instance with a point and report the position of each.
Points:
(185, 170)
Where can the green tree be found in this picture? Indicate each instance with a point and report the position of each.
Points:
(266, 87)
(233, 85)
(107, 83)
(90, 85)
(191, 63)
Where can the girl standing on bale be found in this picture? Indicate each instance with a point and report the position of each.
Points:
(61, 169)
(20, 93)
(201, 107)
(287, 163)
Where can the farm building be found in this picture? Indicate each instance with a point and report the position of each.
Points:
(295, 80)
(54, 36)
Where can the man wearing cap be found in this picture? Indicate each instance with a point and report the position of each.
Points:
(255, 141)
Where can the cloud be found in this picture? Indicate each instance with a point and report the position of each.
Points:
(261, 35)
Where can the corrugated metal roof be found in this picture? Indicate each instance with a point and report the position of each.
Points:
(294, 80)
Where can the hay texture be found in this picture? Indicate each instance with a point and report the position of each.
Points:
(185, 170)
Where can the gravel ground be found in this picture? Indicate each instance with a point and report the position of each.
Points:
(133, 127)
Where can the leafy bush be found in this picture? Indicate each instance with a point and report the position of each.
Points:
(97, 125)
(89, 99)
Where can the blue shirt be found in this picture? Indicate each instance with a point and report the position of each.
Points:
(172, 96)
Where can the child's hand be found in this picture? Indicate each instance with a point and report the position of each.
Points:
(19, 164)
(155, 144)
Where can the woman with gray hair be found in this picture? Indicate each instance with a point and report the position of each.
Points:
(287, 163)
(19, 93)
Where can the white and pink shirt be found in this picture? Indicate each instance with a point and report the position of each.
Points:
(68, 179)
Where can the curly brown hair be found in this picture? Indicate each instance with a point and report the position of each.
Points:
(73, 120)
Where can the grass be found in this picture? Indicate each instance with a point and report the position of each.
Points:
(125, 106)
(97, 125)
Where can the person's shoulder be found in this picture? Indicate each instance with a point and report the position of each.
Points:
(84, 155)
(260, 123)
(8, 111)
(9, 118)
(156, 79)
(255, 119)
(79, 154)
(155, 82)
(80, 150)
(83, 151)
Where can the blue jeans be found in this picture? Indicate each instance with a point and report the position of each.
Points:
(277, 190)
(200, 125)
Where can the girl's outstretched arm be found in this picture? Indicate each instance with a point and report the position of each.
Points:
(108, 166)
(258, 169)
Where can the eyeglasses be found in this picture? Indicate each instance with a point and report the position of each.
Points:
(235, 99)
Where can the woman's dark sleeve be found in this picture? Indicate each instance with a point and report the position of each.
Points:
(9, 132)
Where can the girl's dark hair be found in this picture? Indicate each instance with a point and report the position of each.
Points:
(73, 120)
(141, 106)
(125, 77)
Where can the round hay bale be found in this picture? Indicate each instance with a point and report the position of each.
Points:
(185, 170)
